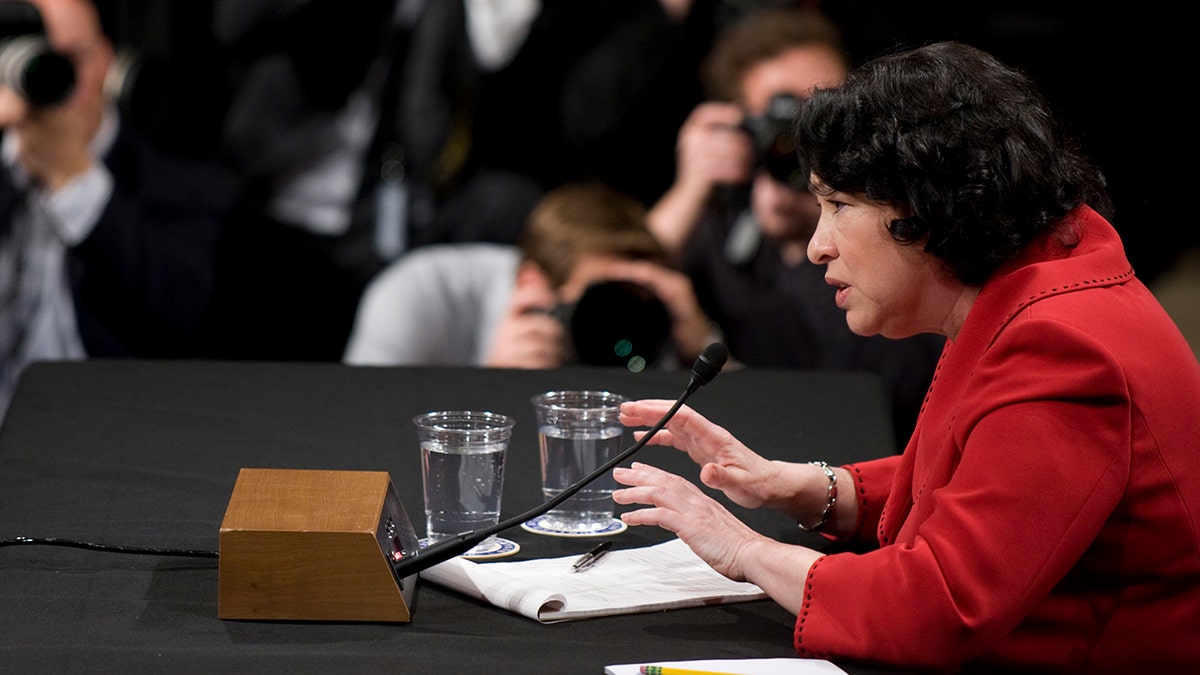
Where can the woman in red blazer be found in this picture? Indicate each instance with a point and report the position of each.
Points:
(1045, 515)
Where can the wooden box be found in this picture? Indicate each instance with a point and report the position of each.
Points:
(314, 545)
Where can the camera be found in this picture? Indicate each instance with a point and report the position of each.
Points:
(617, 323)
(28, 65)
(136, 83)
(774, 146)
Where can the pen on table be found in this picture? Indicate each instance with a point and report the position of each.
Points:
(588, 559)
(676, 670)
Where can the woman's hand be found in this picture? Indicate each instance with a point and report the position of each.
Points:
(727, 544)
(726, 464)
(679, 506)
(799, 491)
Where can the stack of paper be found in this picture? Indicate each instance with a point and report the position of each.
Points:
(664, 576)
(732, 667)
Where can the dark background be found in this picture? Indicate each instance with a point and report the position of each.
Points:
(1107, 68)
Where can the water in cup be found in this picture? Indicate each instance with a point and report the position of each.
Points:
(462, 489)
(567, 456)
(462, 467)
(578, 432)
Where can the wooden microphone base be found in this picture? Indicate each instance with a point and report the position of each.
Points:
(314, 545)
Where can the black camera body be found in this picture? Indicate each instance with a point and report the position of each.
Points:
(28, 65)
(617, 323)
(774, 145)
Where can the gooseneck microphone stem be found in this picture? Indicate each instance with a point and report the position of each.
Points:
(703, 371)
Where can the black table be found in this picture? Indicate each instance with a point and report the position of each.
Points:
(146, 453)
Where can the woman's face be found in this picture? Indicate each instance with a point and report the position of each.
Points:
(885, 287)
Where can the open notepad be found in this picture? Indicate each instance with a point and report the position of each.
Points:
(663, 576)
(737, 667)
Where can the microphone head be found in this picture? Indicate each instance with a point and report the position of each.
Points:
(709, 363)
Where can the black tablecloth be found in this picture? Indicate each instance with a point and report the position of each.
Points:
(146, 453)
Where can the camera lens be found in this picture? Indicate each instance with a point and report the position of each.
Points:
(36, 73)
(773, 145)
(780, 160)
(616, 322)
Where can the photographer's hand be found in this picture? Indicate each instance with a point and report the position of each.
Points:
(54, 145)
(55, 138)
(691, 328)
(12, 107)
(529, 335)
(711, 150)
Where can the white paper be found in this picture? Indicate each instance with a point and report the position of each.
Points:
(739, 667)
(653, 578)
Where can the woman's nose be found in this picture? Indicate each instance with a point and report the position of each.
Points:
(821, 248)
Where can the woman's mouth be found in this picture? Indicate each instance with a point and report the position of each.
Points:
(841, 292)
(840, 296)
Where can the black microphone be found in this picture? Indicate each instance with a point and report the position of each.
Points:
(706, 367)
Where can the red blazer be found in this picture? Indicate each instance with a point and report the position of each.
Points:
(1046, 513)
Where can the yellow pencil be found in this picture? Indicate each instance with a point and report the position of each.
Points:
(668, 670)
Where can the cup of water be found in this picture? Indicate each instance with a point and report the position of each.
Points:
(578, 431)
(462, 468)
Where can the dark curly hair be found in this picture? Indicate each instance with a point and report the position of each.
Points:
(964, 146)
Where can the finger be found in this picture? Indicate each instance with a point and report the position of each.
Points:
(637, 494)
(542, 347)
(716, 476)
(718, 112)
(663, 437)
(650, 516)
(645, 411)
(663, 487)
(639, 474)
(530, 299)
(641, 420)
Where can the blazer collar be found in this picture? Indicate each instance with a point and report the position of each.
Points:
(1048, 267)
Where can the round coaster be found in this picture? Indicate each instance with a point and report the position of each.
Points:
(495, 547)
(548, 525)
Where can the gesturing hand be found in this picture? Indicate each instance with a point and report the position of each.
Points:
(675, 504)
(726, 464)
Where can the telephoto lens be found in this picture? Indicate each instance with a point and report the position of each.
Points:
(774, 147)
(618, 323)
(28, 65)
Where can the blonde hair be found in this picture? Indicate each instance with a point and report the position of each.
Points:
(586, 218)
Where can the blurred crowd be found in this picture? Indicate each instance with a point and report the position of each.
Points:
(230, 178)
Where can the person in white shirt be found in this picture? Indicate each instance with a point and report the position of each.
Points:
(503, 306)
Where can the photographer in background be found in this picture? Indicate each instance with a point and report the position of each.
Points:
(106, 248)
(738, 217)
(367, 129)
(587, 283)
